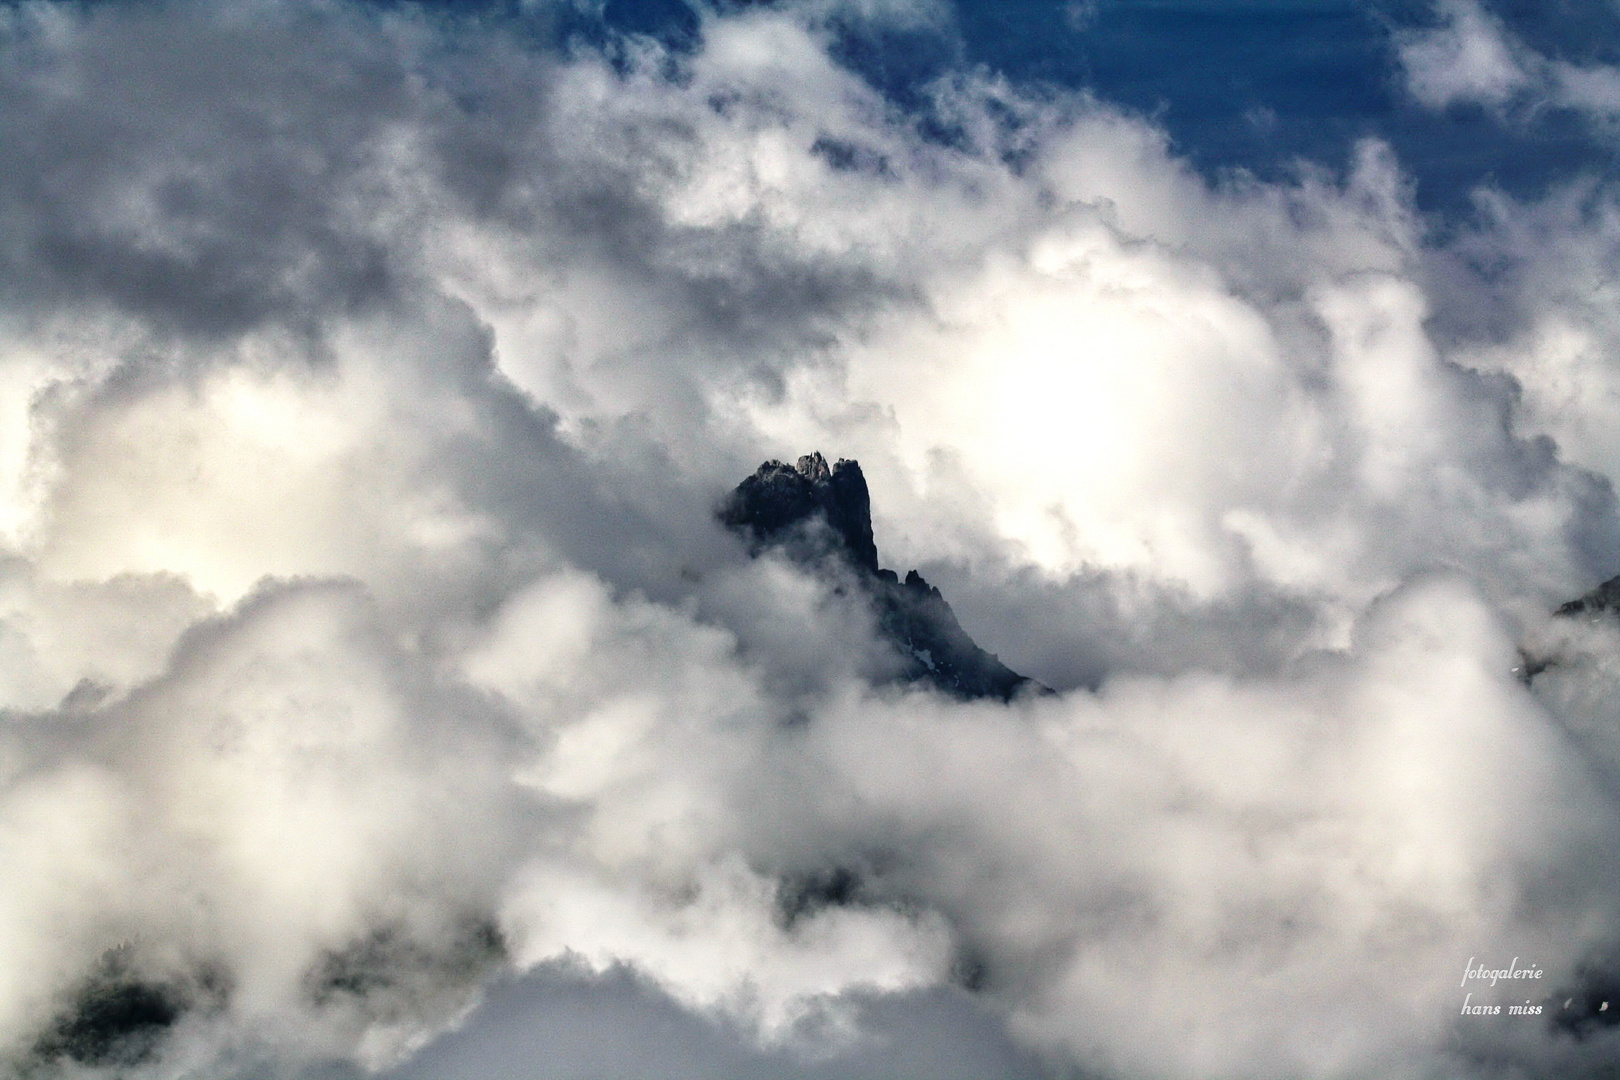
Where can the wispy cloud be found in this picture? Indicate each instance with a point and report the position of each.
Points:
(1472, 57)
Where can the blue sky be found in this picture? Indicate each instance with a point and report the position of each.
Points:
(1257, 85)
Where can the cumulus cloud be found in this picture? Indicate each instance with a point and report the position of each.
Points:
(379, 689)
(1469, 57)
(1473, 58)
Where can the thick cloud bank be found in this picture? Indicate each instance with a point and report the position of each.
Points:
(381, 694)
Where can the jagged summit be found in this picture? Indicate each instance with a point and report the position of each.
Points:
(780, 498)
(812, 511)
(1597, 604)
(1606, 597)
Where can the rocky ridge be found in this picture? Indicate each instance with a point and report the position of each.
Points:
(816, 512)
(1601, 602)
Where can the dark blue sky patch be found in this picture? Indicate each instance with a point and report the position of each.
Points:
(1577, 31)
(672, 22)
(1254, 86)
(1259, 87)
(1238, 85)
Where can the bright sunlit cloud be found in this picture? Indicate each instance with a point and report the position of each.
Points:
(373, 670)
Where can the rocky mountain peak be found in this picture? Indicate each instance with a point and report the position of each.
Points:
(813, 467)
(811, 510)
(1606, 597)
(779, 500)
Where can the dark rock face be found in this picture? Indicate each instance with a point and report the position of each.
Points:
(119, 1017)
(780, 502)
(815, 512)
(935, 648)
(115, 1022)
(1606, 597)
(1601, 601)
(388, 964)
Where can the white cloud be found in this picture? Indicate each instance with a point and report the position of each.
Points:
(1473, 58)
(366, 637)
(1469, 58)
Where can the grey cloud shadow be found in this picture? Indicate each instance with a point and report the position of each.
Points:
(561, 1024)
